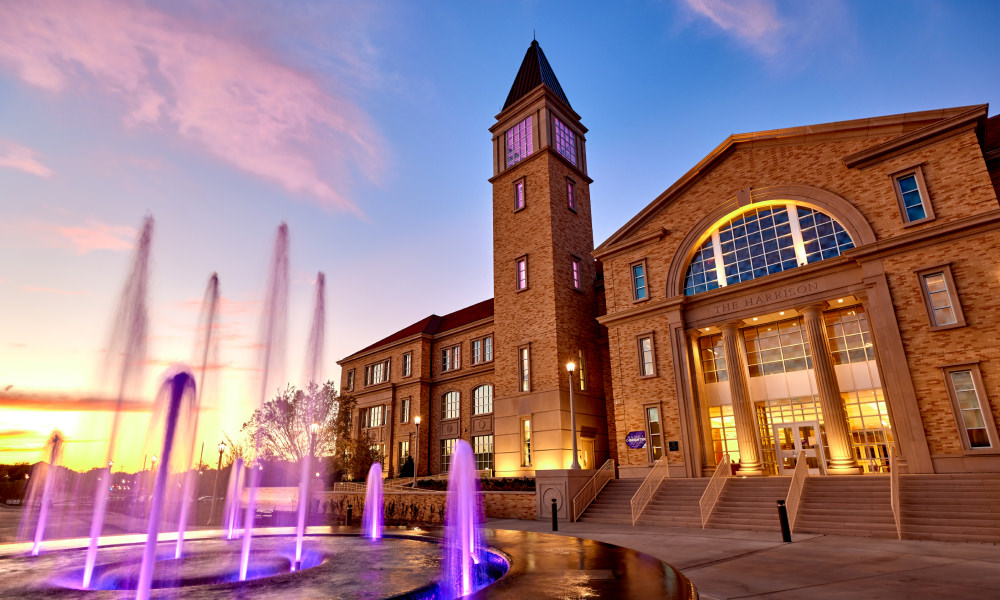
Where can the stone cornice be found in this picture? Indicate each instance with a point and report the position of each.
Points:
(641, 240)
(908, 141)
(647, 309)
(926, 236)
(413, 338)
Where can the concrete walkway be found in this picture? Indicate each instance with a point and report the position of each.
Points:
(727, 564)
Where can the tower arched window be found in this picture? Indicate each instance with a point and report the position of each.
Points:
(762, 241)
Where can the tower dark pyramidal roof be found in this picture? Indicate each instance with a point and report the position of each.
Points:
(534, 71)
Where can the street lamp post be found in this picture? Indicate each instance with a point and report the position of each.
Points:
(215, 488)
(416, 451)
(570, 368)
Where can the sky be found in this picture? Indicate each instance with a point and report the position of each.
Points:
(364, 127)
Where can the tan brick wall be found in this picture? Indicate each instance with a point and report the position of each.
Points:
(428, 508)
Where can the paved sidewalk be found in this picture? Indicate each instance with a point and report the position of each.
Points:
(726, 564)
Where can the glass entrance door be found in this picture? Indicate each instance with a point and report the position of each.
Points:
(791, 438)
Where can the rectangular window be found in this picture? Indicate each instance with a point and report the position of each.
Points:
(713, 358)
(450, 405)
(521, 270)
(975, 420)
(565, 141)
(377, 373)
(350, 380)
(488, 348)
(518, 194)
(639, 281)
(524, 368)
(781, 347)
(655, 434)
(404, 411)
(451, 358)
(407, 364)
(911, 194)
(519, 142)
(477, 351)
(647, 367)
(482, 446)
(581, 365)
(571, 194)
(402, 453)
(482, 400)
(447, 449)
(577, 285)
(940, 298)
(525, 442)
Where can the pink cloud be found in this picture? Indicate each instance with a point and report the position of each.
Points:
(48, 290)
(98, 236)
(21, 158)
(233, 99)
(754, 22)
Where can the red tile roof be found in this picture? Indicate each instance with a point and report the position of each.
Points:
(434, 324)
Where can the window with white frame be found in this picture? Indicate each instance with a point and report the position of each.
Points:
(761, 241)
(482, 446)
(377, 373)
(521, 272)
(447, 449)
(581, 366)
(404, 411)
(972, 410)
(565, 141)
(940, 298)
(571, 194)
(911, 194)
(407, 364)
(639, 291)
(374, 416)
(655, 432)
(577, 284)
(647, 366)
(450, 405)
(488, 348)
(519, 194)
(524, 368)
(404, 452)
(451, 358)
(518, 140)
(350, 380)
(525, 442)
(482, 400)
(482, 350)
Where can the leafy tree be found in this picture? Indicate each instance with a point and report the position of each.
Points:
(280, 430)
(406, 470)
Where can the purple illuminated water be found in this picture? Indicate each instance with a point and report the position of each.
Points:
(234, 493)
(127, 354)
(273, 325)
(371, 521)
(180, 388)
(314, 358)
(463, 547)
(55, 449)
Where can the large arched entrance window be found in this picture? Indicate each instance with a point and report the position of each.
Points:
(761, 241)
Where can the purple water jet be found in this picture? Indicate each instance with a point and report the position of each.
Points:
(55, 450)
(272, 349)
(127, 348)
(463, 547)
(314, 359)
(234, 494)
(371, 521)
(180, 387)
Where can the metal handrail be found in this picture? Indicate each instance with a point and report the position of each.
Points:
(714, 489)
(894, 492)
(588, 493)
(795, 488)
(648, 488)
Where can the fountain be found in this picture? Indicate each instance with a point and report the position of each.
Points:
(463, 547)
(55, 451)
(371, 522)
(314, 358)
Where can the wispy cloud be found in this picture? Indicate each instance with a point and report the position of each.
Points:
(754, 22)
(21, 158)
(213, 87)
(95, 235)
(61, 402)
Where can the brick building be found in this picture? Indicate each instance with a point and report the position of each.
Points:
(830, 289)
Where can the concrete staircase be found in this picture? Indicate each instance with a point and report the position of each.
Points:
(675, 504)
(750, 503)
(613, 504)
(856, 505)
(959, 507)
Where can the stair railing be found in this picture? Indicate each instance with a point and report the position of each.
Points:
(714, 489)
(646, 491)
(894, 492)
(794, 497)
(588, 493)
